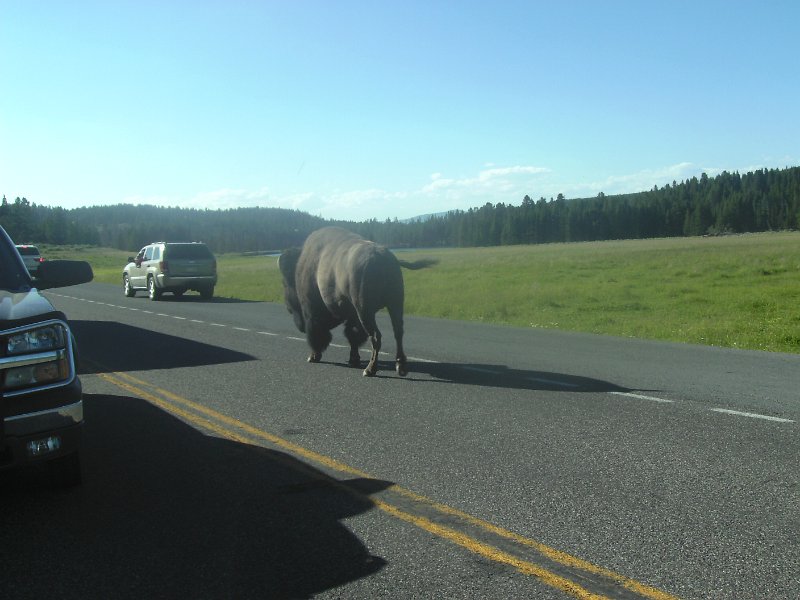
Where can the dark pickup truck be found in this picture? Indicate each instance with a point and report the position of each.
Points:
(41, 407)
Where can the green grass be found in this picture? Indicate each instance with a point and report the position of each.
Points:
(736, 291)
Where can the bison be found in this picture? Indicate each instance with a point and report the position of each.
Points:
(339, 277)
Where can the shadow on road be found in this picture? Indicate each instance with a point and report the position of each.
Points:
(168, 512)
(494, 376)
(108, 346)
(520, 379)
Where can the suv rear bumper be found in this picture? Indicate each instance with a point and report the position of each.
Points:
(192, 283)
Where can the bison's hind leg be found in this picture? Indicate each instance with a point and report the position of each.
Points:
(375, 338)
(401, 366)
(396, 315)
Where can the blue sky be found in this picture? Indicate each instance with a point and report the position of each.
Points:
(361, 110)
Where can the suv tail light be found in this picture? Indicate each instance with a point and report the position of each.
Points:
(163, 266)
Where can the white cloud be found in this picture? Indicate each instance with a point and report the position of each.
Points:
(495, 180)
(231, 198)
(510, 171)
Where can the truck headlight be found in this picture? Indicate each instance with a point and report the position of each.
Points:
(36, 357)
(50, 337)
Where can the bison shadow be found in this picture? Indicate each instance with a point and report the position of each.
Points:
(175, 513)
(495, 376)
(501, 376)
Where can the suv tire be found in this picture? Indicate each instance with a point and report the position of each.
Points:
(126, 285)
(207, 293)
(152, 290)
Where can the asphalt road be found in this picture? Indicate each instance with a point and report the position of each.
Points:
(509, 463)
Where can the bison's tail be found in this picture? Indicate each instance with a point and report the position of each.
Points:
(418, 264)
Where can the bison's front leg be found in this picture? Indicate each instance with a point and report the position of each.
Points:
(318, 337)
(356, 335)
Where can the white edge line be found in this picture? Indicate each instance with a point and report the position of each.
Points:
(642, 397)
(751, 415)
(423, 360)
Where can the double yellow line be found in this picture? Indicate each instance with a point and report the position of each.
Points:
(569, 574)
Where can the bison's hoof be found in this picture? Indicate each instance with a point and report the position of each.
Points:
(369, 372)
(354, 363)
(402, 369)
(314, 357)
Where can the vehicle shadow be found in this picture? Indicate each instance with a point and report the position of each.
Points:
(108, 346)
(166, 511)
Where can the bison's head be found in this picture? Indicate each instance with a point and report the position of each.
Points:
(287, 263)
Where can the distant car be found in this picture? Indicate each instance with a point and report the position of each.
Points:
(174, 267)
(41, 420)
(31, 257)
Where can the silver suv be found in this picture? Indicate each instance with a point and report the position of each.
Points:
(30, 256)
(171, 267)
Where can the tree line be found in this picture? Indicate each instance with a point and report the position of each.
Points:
(761, 200)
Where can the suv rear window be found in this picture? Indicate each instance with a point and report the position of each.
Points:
(28, 250)
(187, 251)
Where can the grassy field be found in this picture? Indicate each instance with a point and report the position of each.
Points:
(735, 291)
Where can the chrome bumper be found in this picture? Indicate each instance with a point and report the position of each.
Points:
(46, 420)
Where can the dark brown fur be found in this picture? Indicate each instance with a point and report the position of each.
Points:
(339, 277)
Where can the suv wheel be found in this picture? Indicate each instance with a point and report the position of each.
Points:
(126, 284)
(152, 291)
(207, 292)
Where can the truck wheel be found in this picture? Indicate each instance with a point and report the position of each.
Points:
(65, 471)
